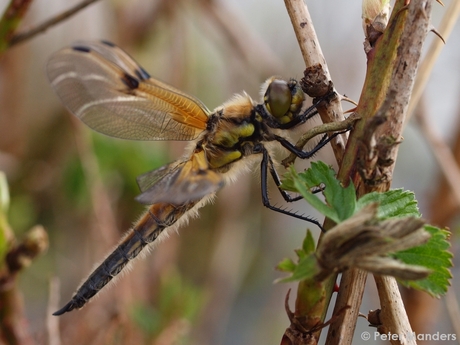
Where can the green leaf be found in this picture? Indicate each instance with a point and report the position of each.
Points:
(287, 265)
(147, 319)
(341, 204)
(433, 255)
(305, 269)
(393, 203)
(308, 245)
(287, 181)
(340, 201)
(299, 185)
(307, 262)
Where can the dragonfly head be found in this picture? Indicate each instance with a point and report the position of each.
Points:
(283, 99)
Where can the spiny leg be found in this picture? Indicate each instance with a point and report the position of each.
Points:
(277, 181)
(264, 167)
(325, 139)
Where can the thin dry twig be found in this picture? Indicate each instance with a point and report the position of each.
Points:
(321, 129)
(443, 206)
(102, 210)
(453, 310)
(316, 63)
(316, 83)
(447, 24)
(391, 303)
(404, 38)
(240, 38)
(411, 24)
(442, 153)
(52, 323)
(11, 19)
(28, 34)
(105, 217)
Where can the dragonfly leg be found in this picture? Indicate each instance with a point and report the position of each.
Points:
(325, 139)
(265, 165)
(286, 196)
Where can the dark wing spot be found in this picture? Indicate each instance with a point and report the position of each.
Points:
(108, 43)
(81, 49)
(130, 81)
(142, 73)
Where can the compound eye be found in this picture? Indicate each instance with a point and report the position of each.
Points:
(278, 98)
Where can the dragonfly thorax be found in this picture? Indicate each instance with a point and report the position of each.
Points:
(240, 124)
(233, 124)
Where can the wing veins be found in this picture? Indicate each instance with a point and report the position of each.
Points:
(91, 83)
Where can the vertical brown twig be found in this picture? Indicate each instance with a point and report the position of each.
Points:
(317, 72)
(11, 19)
(392, 66)
(395, 58)
(317, 83)
(446, 27)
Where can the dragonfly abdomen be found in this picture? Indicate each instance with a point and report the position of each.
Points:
(158, 217)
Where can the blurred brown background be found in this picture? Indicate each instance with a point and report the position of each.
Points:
(212, 283)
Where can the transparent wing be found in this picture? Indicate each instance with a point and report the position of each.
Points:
(179, 182)
(147, 180)
(106, 89)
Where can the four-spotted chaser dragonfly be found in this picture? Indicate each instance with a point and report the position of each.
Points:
(107, 90)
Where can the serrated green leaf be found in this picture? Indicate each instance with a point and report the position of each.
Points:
(308, 245)
(287, 181)
(307, 262)
(287, 265)
(341, 204)
(433, 255)
(296, 183)
(393, 203)
(340, 201)
(305, 269)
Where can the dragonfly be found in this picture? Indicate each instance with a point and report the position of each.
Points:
(108, 91)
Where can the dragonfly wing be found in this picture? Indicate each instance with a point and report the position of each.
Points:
(106, 89)
(150, 178)
(178, 183)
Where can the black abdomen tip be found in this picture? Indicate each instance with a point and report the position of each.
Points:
(68, 307)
